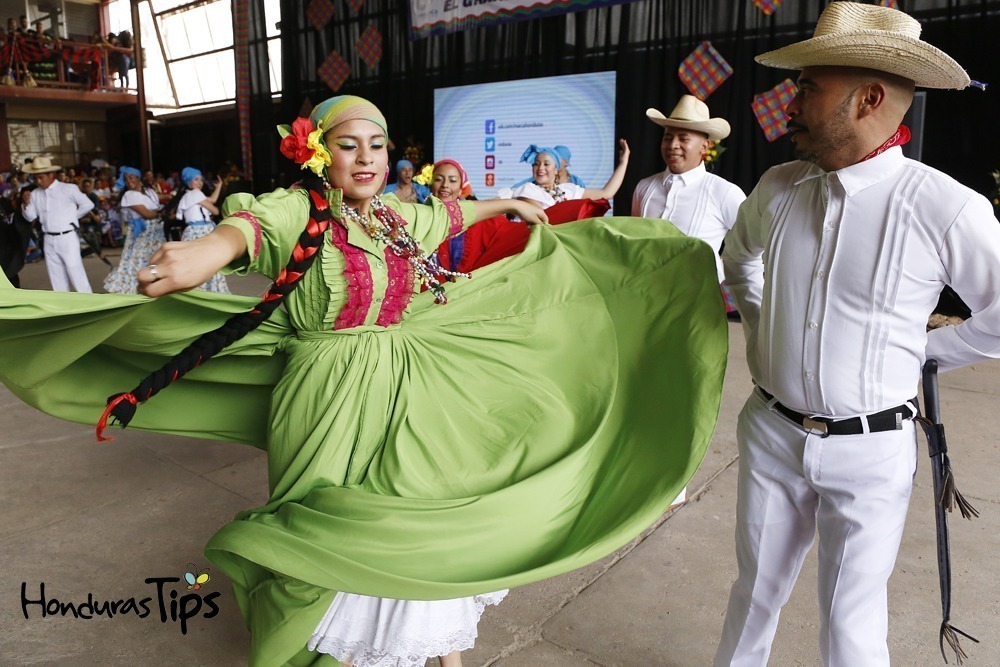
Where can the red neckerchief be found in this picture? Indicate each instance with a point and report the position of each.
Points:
(901, 136)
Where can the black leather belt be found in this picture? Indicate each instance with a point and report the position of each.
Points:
(886, 420)
(60, 233)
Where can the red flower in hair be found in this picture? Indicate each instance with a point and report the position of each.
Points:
(294, 146)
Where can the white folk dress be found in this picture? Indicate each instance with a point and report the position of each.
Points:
(199, 224)
(545, 199)
(139, 247)
(381, 632)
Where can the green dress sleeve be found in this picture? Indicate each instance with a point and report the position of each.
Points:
(271, 225)
(434, 221)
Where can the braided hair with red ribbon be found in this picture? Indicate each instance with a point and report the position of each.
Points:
(121, 407)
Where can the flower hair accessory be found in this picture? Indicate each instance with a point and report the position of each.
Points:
(426, 175)
(714, 152)
(302, 143)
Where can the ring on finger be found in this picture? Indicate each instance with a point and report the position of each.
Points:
(153, 272)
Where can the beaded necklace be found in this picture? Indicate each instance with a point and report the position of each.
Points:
(554, 191)
(386, 226)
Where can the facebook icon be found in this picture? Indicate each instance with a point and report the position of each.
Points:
(491, 127)
(491, 144)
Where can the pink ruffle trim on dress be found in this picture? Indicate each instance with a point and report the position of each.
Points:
(455, 215)
(399, 291)
(252, 219)
(359, 281)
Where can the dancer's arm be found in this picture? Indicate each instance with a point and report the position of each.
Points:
(611, 187)
(530, 212)
(185, 265)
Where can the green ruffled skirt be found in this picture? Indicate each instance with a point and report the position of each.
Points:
(541, 419)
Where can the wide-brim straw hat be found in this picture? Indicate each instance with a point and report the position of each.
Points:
(691, 114)
(40, 165)
(851, 34)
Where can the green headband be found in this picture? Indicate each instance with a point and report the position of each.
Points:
(340, 109)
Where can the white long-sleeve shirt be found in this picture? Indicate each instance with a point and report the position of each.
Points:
(58, 207)
(836, 273)
(698, 203)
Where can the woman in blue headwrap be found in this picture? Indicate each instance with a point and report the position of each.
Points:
(565, 155)
(545, 189)
(197, 209)
(140, 214)
(405, 188)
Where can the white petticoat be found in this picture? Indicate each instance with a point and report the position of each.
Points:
(380, 632)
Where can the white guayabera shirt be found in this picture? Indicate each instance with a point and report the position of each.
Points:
(698, 203)
(58, 206)
(836, 273)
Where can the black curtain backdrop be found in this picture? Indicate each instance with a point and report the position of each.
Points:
(643, 42)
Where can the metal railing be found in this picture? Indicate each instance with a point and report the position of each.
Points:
(31, 61)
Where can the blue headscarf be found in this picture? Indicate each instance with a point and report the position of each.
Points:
(138, 224)
(124, 171)
(532, 152)
(188, 174)
(404, 163)
(564, 153)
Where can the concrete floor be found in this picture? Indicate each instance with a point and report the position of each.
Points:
(87, 518)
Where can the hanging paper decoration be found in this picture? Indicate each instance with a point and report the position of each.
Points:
(356, 5)
(704, 70)
(891, 4)
(769, 108)
(334, 70)
(767, 7)
(319, 13)
(369, 46)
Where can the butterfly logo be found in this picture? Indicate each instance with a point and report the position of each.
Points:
(195, 578)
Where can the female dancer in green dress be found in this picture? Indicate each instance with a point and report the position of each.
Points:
(417, 450)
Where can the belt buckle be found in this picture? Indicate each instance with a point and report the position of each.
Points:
(815, 427)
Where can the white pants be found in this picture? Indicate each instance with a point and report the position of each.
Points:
(64, 264)
(855, 489)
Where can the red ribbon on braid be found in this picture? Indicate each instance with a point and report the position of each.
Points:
(315, 228)
(901, 136)
(300, 253)
(124, 415)
(319, 201)
(122, 407)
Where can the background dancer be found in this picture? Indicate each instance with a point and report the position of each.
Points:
(58, 207)
(140, 213)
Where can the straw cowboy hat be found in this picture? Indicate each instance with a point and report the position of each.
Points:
(851, 34)
(40, 165)
(691, 114)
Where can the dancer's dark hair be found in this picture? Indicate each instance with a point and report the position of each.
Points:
(122, 407)
(170, 210)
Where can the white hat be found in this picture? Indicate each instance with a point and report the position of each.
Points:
(851, 34)
(691, 114)
(40, 165)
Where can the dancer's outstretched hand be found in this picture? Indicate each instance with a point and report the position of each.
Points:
(184, 265)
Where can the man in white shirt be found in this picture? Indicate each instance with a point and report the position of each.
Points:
(698, 203)
(836, 262)
(58, 206)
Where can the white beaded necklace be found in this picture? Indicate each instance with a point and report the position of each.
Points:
(383, 224)
(554, 191)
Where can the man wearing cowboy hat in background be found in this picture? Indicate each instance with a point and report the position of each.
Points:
(698, 203)
(836, 261)
(58, 206)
